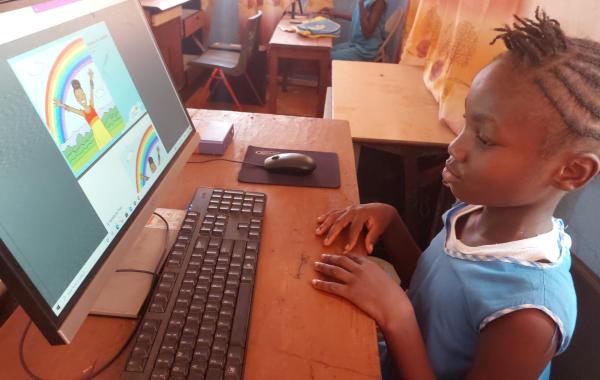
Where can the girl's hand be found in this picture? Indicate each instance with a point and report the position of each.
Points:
(376, 217)
(362, 282)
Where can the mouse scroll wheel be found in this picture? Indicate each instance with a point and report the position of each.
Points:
(275, 157)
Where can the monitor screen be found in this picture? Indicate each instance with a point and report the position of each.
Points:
(90, 126)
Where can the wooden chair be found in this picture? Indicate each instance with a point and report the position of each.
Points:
(232, 61)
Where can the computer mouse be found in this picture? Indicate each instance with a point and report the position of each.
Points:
(290, 163)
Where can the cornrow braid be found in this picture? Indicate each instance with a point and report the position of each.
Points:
(534, 40)
(567, 70)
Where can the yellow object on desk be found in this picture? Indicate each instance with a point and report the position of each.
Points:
(319, 27)
(285, 28)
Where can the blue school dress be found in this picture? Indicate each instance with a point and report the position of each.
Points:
(360, 48)
(457, 290)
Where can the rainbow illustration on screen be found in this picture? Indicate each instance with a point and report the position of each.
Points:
(147, 145)
(72, 59)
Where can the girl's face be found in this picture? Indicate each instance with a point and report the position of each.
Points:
(80, 97)
(497, 160)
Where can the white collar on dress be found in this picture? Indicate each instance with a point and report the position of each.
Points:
(542, 249)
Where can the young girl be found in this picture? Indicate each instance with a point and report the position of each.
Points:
(492, 297)
(367, 31)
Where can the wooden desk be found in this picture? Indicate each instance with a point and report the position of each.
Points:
(171, 24)
(293, 46)
(295, 331)
(166, 27)
(389, 108)
(387, 103)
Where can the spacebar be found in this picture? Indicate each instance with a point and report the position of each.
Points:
(242, 315)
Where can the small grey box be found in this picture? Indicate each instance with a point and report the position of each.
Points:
(215, 136)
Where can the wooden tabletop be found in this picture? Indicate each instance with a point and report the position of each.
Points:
(386, 103)
(293, 39)
(295, 331)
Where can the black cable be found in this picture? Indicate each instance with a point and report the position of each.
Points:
(164, 255)
(135, 330)
(22, 354)
(136, 271)
(225, 159)
(144, 305)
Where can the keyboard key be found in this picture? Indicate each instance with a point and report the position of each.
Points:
(135, 365)
(252, 246)
(217, 360)
(164, 360)
(140, 352)
(202, 243)
(214, 374)
(184, 355)
(220, 347)
(191, 329)
(180, 367)
(160, 374)
(204, 340)
(235, 356)
(198, 369)
(214, 242)
(242, 316)
(233, 372)
(202, 350)
(258, 209)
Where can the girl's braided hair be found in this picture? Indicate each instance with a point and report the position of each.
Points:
(567, 70)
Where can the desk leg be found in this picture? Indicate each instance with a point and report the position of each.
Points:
(273, 71)
(411, 194)
(324, 63)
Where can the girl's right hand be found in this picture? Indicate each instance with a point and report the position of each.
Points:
(376, 217)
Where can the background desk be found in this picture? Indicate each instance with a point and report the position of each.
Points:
(295, 331)
(389, 108)
(171, 23)
(293, 46)
(387, 103)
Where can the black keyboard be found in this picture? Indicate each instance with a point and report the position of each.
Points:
(196, 324)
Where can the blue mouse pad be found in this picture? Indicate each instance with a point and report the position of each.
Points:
(326, 174)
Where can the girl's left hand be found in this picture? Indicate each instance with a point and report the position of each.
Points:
(362, 282)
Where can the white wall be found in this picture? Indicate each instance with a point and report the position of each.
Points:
(577, 17)
(580, 210)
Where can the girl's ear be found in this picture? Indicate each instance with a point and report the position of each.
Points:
(577, 171)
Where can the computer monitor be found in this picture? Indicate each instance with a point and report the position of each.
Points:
(91, 130)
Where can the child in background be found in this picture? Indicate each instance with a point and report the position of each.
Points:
(367, 31)
(492, 296)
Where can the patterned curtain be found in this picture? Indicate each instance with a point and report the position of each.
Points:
(450, 39)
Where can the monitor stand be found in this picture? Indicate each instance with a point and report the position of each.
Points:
(125, 292)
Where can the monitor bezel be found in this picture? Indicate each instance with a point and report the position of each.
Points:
(60, 329)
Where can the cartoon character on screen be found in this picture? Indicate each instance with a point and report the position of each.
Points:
(152, 166)
(88, 112)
